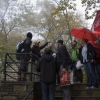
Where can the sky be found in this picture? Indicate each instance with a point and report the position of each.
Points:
(79, 8)
(82, 9)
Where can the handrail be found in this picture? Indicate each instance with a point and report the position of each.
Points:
(29, 93)
(9, 61)
(9, 57)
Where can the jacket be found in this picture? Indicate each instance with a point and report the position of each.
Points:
(36, 52)
(75, 53)
(91, 53)
(62, 56)
(47, 68)
(27, 45)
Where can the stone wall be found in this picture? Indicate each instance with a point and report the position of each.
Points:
(15, 90)
(1, 76)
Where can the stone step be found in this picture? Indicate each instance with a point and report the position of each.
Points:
(85, 92)
(82, 92)
(18, 90)
(85, 98)
(80, 86)
(79, 98)
(10, 97)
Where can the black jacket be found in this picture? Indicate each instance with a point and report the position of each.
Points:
(62, 56)
(27, 45)
(36, 51)
(47, 68)
(91, 53)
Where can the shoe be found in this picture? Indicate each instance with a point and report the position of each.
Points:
(19, 79)
(87, 87)
(92, 87)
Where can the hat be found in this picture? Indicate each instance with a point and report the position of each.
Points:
(29, 34)
(60, 41)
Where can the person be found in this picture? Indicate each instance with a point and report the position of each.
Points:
(36, 55)
(47, 68)
(62, 63)
(36, 50)
(97, 65)
(87, 56)
(52, 52)
(77, 74)
(25, 58)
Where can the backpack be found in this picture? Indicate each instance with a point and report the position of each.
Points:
(19, 49)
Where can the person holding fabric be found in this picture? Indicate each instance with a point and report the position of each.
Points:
(77, 73)
(87, 56)
(63, 59)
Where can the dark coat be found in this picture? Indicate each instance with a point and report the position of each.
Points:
(47, 68)
(36, 52)
(27, 45)
(91, 53)
(63, 57)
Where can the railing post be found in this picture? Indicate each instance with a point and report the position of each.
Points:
(5, 62)
(31, 68)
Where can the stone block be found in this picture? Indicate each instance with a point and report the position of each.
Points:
(10, 98)
(19, 88)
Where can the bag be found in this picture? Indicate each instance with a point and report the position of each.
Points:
(79, 65)
(64, 78)
(19, 49)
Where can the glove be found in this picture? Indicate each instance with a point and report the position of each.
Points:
(71, 66)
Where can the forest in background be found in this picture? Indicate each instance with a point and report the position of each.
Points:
(49, 19)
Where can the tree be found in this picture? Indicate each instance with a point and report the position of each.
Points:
(54, 24)
(7, 18)
(90, 5)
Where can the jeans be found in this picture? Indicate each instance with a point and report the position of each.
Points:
(66, 92)
(48, 90)
(91, 74)
(98, 71)
(77, 74)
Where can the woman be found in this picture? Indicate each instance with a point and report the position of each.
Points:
(88, 58)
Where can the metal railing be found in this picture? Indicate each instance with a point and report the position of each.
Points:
(11, 62)
(29, 93)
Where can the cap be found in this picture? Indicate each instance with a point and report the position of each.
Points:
(60, 41)
(29, 34)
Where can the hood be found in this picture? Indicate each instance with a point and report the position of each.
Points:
(47, 58)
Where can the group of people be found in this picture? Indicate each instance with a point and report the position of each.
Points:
(50, 63)
(86, 53)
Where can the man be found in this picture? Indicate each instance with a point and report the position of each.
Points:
(77, 74)
(36, 56)
(62, 55)
(63, 62)
(25, 58)
(47, 68)
(36, 50)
